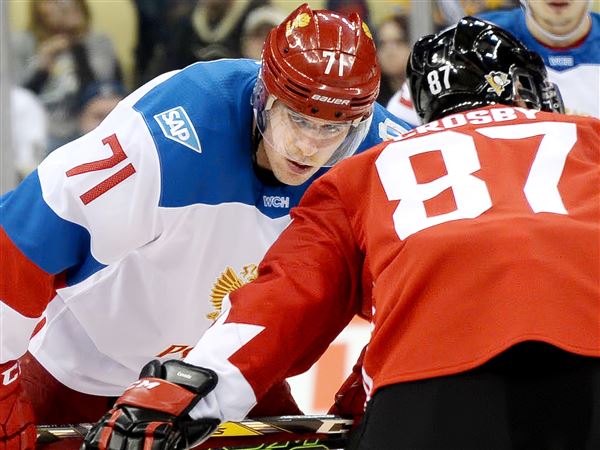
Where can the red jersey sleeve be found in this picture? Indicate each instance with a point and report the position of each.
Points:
(25, 290)
(307, 291)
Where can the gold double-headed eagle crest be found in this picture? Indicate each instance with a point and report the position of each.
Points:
(301, 20)
(228, 282)
(367, 30)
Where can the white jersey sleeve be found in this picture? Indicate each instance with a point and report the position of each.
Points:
(108, 181)
(401, 106)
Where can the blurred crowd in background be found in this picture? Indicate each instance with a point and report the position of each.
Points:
(68, 76)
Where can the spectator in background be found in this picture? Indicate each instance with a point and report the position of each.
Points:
(212, 31)
(157, 23)
(401, 105)
(97, 100)
(448, 12)
(445, 14)
(393, 48)
(567, 36)
(361, 7)
(257, 26)
(29, 130)
(57, 56)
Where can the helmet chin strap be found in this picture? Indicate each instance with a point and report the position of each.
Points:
(556, 37)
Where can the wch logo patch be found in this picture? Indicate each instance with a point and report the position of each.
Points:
(177, 126)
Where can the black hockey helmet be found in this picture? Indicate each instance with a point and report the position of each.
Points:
(474, 64)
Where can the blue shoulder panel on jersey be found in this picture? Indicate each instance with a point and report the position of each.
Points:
(588, 52)
(201, 122)
(208, 103)
(50, 242)
(384, 124)
(511, 20)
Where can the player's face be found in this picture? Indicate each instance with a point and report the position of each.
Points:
(284, 169)
(558, 16)
(296, 146)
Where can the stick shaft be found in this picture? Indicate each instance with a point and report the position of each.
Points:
(280, 432)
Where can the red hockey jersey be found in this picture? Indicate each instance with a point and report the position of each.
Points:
(464, 237)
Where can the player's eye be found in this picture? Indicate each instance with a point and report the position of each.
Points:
(333, 128)
(300, 121)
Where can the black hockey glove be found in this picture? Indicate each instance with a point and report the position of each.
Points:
(153, 412)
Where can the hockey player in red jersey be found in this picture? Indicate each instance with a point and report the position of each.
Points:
(477, 237)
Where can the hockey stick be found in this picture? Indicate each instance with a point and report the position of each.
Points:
(280, 432)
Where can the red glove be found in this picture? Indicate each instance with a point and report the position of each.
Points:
(17, 428)
(152, 413)
(278, 401)
(351, 397)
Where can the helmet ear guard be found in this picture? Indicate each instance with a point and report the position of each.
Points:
(474, 64)
(544, 96)
(261, 101)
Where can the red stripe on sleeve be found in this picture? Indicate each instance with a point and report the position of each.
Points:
(23, 285)
(406, 102)
(38, 327)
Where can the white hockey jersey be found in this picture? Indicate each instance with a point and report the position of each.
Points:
(119, 248)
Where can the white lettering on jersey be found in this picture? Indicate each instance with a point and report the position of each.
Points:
(541, 188)
(388, 130)
(274, 201)
(561, 60)
(461, 160)
(145, 384)
(479, 117)
(400, 182)
(177, 126)
(10, 374)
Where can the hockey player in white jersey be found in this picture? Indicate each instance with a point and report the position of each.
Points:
(565, 34)
(120, 247)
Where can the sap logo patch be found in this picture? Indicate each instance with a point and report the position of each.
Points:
(177, 126)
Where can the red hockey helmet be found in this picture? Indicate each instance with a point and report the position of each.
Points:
(322, 65)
